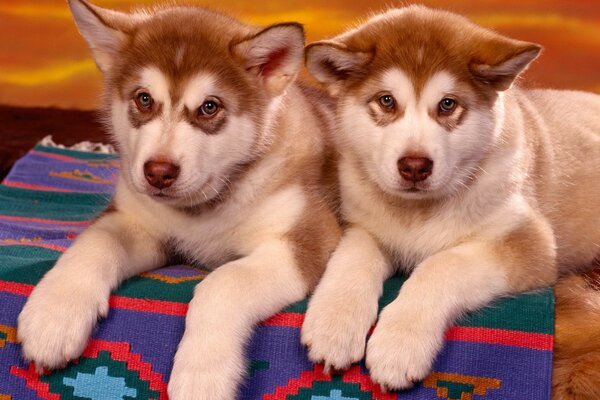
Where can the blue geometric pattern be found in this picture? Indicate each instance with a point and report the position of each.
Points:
(99, 386)
(333, 395)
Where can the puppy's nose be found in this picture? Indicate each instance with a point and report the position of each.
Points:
(415, 169)
(161, 174)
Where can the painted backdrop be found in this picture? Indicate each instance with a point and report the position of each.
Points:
(44, 61)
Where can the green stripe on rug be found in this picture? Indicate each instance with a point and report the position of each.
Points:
(51, 205)
(25, 264)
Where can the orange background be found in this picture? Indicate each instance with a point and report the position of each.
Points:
(44, 61)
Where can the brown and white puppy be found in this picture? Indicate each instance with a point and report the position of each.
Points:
(448, 171)
(221, 157)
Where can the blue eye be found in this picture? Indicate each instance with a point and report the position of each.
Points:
(387, 101)
(447, 105)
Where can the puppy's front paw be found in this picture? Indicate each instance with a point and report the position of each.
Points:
(56, 322)
(402, 350)
(202, 374)
(335, 330)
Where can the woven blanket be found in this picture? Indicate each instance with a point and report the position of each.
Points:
(502, 352)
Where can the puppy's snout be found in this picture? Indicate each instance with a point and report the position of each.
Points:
(415, 169)
(161, 174)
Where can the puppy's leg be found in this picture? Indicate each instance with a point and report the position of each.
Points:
(344, 305)
(210, 364)
(410, 331)
(58, 318)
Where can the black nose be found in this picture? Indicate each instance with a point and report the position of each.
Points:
(415, 169)
(161, 174)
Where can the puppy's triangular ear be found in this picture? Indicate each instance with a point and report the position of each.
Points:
(104, 30)
(273, 55)
(332, 63)
(501, 60)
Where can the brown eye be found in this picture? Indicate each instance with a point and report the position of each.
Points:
(387, 101)
(447, 105)
(144, 101)
(209, 108)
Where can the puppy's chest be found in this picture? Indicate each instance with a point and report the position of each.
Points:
(209, 243)
(410, 238)
(235, 230)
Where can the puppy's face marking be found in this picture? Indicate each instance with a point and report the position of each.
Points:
(388, 119)
(195, 123)
(200, 128)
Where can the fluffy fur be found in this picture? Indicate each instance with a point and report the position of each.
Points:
(221, 164)
(504, 196)
(576, 349)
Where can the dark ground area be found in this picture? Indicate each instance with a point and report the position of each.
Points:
(22, 128)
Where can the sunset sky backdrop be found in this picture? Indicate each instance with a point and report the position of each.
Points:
(44, 61)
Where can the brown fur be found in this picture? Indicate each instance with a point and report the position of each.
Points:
(528, 252)
(202, 31)
(137, 117)
(444, 41)
(576, 351)
(314, 239)
(209, 125)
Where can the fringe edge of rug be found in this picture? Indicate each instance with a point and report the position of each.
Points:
(81, 146)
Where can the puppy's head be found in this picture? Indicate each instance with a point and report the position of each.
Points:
(419, 96)
(190, 94)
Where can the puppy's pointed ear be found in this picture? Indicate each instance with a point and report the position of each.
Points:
(273, 55)
(501, 60)
(332, 63)
(103, 30)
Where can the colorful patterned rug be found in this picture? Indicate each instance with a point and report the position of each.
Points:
(503, 352)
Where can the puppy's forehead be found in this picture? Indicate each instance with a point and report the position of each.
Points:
(198, 87)
(152, 79)
(181, 42)
(190, 92)
(399, 83)
(419, 41)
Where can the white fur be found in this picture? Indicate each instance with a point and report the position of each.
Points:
(410, 331)
(344, 307)
(225, 307)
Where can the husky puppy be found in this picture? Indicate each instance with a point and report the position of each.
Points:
(477, 188)
(221, 157)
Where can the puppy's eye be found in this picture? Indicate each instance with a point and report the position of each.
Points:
(144, 101)
(209, 108)
(387, 101)
(447, 105)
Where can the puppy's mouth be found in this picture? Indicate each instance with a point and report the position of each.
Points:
(175, 193)
(415, 191)
(414, 188)
(160, 195)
